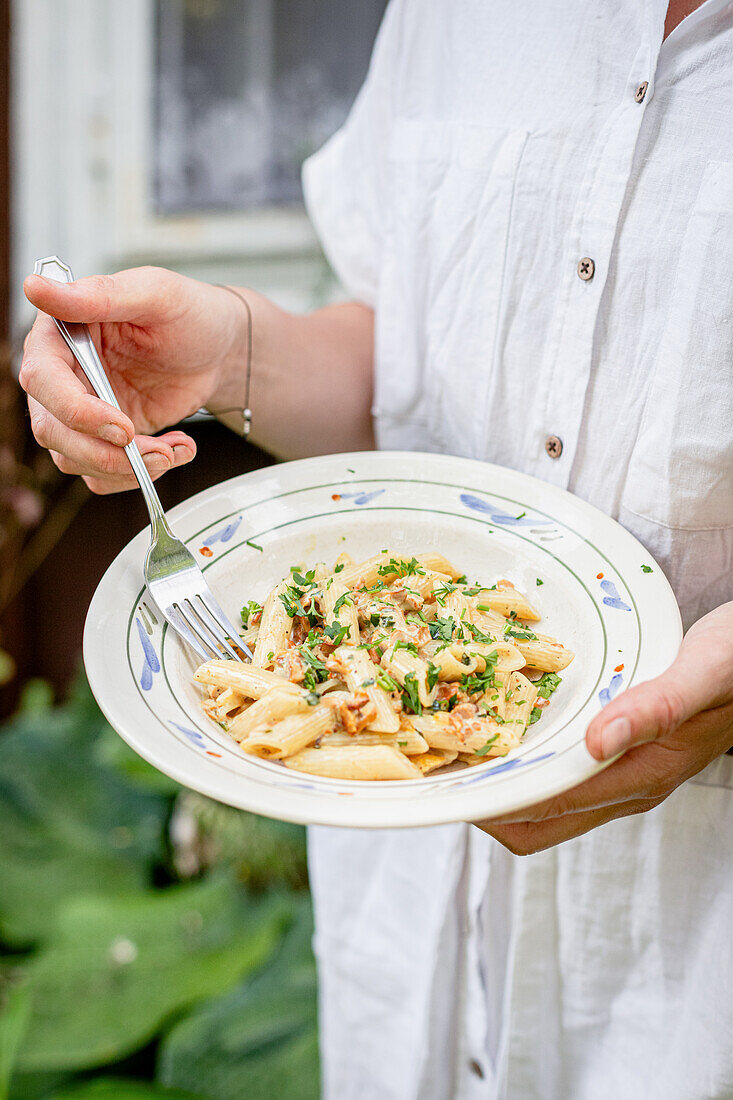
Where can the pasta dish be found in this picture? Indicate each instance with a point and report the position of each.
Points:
(385, 669)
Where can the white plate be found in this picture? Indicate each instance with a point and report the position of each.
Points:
(622, 622)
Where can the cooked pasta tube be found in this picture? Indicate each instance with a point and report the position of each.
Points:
(424, 583)
(290, 734)
(249, 680)
(268, 710)
(520, 698)
(227, 701)
(355, 762)
(433, 759)
(339, 607)
(494, 698)
(477, 733)
(275, 624)
(504, 599)
(508, 657)
(401, 664)
(410, 742)
(437, 563)
(454, 662)
(250, 635)
(359, 672)
(366, 573)
(545, 654)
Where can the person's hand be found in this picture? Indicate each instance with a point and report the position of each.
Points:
(169, 345)
(669, 729)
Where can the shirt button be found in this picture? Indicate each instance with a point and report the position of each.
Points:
(553, 446)
(641, 91)
(476, 1068)
(586, 268)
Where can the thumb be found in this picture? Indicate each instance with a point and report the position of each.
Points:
(648, 711)
(143, 295)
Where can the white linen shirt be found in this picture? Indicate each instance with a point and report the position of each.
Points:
(497, 153)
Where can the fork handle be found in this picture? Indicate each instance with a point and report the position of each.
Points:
(79, 340)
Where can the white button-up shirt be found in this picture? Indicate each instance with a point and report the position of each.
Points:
(494, 151)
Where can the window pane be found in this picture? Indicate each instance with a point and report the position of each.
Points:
(246, 89)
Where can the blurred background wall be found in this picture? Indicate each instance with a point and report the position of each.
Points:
(153, 944)
(168, 132)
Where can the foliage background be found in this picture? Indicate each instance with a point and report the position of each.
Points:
(153, 943)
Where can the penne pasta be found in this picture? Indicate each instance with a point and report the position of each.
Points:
(521, 695)
(249, 680)
(339, 607)
(433, 759)
(359, 674)
(290, 734)
(410, 742)
(505, 599)
(373, 762)
(272, 639)
(401, 664)
(388, 668)
(268, 710)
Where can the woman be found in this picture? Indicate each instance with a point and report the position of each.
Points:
(533, 212)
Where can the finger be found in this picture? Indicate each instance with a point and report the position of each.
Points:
(48, 377)
(647, 772)
(119, 483)
(527, 838)
(93, 458)
(648, 711)
(142, 295)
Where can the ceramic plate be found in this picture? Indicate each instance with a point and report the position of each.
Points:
(601, 594)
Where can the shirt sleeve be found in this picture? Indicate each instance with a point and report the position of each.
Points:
(344, 183)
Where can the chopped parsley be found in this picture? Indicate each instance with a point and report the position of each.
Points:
(538, 582)
(341, 602)
(440, 591)
(647, 569)
(478, 682)
(442, 629)
(433, 674)
(316, 672)
(254, 545)
(250, 609)
(306, 581)
(339, 567)
(385, 681)
(520, 632)
(535, 715)
(400, 568)
(409, 646)
(336, 633)
(485, 748)
(410, 694)
(547, 683)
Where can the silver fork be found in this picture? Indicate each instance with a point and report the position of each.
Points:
(173, 579)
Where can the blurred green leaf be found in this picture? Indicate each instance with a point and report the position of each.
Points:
(69, 823)
(112, 752)
(36, 697)
(263, 853)
(258, 1041)
(115, 1088)
(14, 1016)
(116, 969)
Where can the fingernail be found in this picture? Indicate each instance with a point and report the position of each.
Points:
(113, 433)
(156, 462)
(615, 737)
(182, 454)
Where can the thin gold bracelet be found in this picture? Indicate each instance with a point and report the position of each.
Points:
(246, 411)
